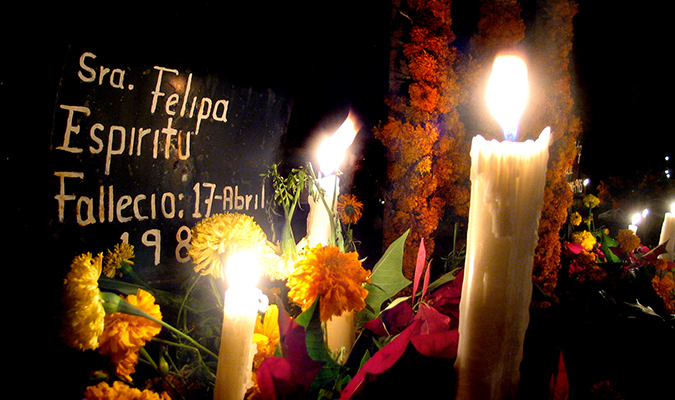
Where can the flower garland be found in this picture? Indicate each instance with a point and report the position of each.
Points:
(501, 27)
(553, 40)
(414, 131)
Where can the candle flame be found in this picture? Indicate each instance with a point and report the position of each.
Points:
(332, 150)
(672, 208)
(636, 218)
(507, 93)
(242, 270)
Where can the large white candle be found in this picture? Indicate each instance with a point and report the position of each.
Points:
(340, 332)
(507, 184)
(668, 234)
(235, 357)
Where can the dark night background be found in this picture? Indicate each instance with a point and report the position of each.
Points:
(328, 56)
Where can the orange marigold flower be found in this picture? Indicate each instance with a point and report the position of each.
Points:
(125, 334)
(423, 68)
(120, 391)
(628, 240)
(664, 286)
(349, 208)
(661, 264)
(336, 276)
(423, 96)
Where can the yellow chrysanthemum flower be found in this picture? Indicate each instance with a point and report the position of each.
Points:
(336, 276)
(585, 239)
(83, 319)
(266, 335)
(628, 240)
(575, 218)
(120, 391)
(591, 201)
(349, 208)
(125, 334)
(222, 234)
(112, 262)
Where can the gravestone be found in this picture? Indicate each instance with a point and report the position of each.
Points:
(140, 152)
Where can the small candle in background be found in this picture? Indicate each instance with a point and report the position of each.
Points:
(635, 220)
(668, 234)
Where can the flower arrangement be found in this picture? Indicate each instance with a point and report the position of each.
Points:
(163, 345)
(614, 297)
(121, 320)
(627, 270)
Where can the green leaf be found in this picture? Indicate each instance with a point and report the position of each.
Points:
(317, 350)
(386, 280)
(605, 245)
(162, 297)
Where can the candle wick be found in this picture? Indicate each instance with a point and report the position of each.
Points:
(510, 135)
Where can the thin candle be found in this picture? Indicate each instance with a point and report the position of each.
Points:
(321, 224)
(242, 300)
(635, 220)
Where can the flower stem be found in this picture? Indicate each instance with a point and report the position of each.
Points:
(185, 299)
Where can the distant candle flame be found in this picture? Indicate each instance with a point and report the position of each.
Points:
(332, 150)
(507, 93)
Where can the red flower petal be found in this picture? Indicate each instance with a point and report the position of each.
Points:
(439, 344)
